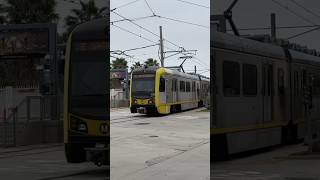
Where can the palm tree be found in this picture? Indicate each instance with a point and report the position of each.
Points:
(135, 65)
(151, 62)
(2, 17)
(87, 12)
(119, 63)
(31, 11)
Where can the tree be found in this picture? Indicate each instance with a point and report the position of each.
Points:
(31, 11)
(151, 62)
(87, 12)
(135, 65)
(2, 17)
(119, 63)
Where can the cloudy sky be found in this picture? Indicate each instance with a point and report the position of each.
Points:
(191, 37)
(252, 14)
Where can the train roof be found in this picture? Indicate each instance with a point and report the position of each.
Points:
(153, 69)
(300, 57)
(236, 43)
(95, 29)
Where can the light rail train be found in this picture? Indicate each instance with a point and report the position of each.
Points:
(86, 93)
(157, 90)
(259, 94)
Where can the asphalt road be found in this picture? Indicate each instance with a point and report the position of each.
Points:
(174, 146)
(278, 163)
(44, 162)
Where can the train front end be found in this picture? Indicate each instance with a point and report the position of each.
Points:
(142, 90)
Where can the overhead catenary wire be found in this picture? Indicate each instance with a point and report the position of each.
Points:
(192, 3)
(145, 29)
(134, 49)
(124, 5)
(149, 7)
(133, 19)
(293, 12)
(278, 27)
(185, 22)
(135, 34)
(305, 32)
(151, 32)
(306, 9)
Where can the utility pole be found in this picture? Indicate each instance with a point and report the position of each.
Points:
(195, 69)
(161, 48)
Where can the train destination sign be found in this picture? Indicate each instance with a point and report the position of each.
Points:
(24, 41)
(90, 46)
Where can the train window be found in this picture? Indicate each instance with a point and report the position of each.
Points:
(231, 78)
(281, 81)
(193, 86)
(296, 81)
(198, 90)
(162, 85)
(174, 84)
(182, 86)
(249, 79)
(316, 85)
(187, 86)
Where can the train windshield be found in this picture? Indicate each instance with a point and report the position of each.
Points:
(88, 88)
(143, 85)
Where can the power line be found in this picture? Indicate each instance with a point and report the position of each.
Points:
(278, 27)
(133, 19)
(145, 29)
(205, 72)
(124, 5)
(304, 8)
(185, 22)
(195, 4)
(293, 12)
(199, 60)
(138, 48)
(149, 7)
(305, 32)
(138, 35)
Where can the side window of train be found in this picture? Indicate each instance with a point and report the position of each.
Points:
(187, 86)
(316, 85)
(249, 79)
(281, 81)
(296, 83)
(162, 85)
(231, 78)
(182, 86)
(198, 90)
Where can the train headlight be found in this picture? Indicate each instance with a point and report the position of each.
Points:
(77, 124)
(82, 127)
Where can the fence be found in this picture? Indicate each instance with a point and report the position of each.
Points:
(118, 100)
(35, 120)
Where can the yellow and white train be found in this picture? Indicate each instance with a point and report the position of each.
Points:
(157, 90)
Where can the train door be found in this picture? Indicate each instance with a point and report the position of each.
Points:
(174, 90)
(162, 90)
(267, 92)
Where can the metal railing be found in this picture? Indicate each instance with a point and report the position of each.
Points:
(118, 100)
(29, 119)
